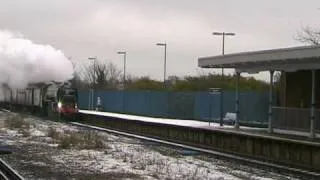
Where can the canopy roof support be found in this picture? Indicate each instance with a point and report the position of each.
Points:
(270, 102)
(236, 124)
(312, 117)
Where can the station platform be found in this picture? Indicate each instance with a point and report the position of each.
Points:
(263, 132)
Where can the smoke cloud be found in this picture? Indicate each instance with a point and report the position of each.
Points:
(23, 62)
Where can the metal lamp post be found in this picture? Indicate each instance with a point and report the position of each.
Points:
(93, 83)
(165, 62)
(223, 34)
(124, 53)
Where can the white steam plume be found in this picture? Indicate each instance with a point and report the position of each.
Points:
(22, 62)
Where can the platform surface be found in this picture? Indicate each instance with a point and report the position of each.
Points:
(261, 132)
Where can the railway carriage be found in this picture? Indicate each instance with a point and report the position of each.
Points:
(48, 99)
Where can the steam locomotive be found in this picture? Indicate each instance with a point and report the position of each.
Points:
(52, 99)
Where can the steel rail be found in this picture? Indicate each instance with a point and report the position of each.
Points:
(7, 173)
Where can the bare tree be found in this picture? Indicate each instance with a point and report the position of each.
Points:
(101, 75)
(114, 76)
(308, 35)
(77, 81)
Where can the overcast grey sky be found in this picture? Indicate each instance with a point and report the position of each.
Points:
(82, 28)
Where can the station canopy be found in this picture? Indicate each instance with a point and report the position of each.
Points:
(286, 59)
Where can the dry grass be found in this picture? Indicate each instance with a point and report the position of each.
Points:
(160, 166)
(83, 139)
(91, 140)
(16, 122)
(53, 133)
(67, 141)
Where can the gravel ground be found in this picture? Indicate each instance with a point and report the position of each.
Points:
(52, 150)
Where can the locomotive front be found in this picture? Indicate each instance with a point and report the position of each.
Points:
(67, 99)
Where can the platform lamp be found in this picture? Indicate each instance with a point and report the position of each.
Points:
(165, 62)
(223, 34)
(91, 103)
(124, 53)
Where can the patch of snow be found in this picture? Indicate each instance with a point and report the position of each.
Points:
(149, 119)
(34, 163)
(53, 145)
(178, 122)
(12, 133)
(138, 160)
(4, 110)
(8, 142)
(36, 132)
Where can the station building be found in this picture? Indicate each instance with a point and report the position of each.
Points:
(296, 108)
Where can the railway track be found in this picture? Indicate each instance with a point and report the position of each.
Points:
(263, 164)
(7, 173)
(304, 173)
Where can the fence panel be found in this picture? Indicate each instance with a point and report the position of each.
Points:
(254, 107)
(157, 103)
(136, 102)
(207, 106)
(181, 105)
(83, 101)
(113, 101)
(229, 99)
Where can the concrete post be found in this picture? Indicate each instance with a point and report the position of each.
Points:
(312, 117)
(270, 130)
(236, 124)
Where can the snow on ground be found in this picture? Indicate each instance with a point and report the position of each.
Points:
(150, 119)
(38, 156)
(189, 123)
(35, 132)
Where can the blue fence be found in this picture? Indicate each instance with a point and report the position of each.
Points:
(181, 105)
